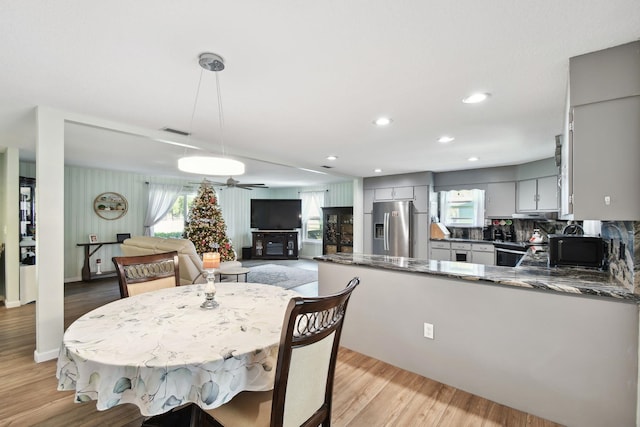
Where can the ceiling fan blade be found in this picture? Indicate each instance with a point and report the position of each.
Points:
(208, 182)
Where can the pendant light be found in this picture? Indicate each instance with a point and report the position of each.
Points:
(212, 165)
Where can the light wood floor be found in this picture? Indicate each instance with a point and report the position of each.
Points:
(367, 392)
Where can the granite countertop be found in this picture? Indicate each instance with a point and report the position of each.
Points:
(529, 274)
(459, 239)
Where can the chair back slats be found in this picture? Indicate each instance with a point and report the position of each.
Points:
(307, 357)
(144, 273)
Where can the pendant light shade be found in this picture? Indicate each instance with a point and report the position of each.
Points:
(212, 165)
(209, 165)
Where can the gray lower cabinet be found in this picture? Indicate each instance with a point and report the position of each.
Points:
(477, 253)
(483, 253)
(440, 251)
(460, 252)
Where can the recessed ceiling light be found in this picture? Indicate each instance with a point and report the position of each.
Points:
(382, 121)
(473, 159)
(377, 170)
(332, 157)
(445, 139)
(475, 98)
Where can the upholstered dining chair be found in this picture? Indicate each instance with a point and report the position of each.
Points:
(304, 373)
(144, 273)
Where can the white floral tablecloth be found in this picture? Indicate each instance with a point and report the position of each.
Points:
(160, 350)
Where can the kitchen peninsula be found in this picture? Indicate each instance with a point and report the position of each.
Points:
(552, 342)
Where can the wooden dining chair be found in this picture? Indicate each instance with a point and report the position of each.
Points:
(304, 373)
(144, 273)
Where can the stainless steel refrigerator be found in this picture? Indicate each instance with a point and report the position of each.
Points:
(393, 228)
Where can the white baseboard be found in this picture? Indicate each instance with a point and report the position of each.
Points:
(46, 355)
(12, 304)
(72, 279)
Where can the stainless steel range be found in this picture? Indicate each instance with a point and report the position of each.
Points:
(508, 254)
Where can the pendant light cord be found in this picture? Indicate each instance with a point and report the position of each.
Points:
(195, 103)
(220, 114)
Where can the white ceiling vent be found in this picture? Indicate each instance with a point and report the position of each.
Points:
(176, 131)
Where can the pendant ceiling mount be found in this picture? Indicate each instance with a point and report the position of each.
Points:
(211, 61)
(212, 165)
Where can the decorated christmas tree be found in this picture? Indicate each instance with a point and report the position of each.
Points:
(205, 226)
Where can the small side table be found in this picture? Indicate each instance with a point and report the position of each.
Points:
(87, 274)
(238, 271)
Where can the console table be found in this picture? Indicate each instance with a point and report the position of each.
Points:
(87, 274)
(274, 244)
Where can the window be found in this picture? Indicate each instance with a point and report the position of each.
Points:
(462, 208)
(312, 204)
(172, 225)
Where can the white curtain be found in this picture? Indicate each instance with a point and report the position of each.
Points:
(312, 204)
(161, 199)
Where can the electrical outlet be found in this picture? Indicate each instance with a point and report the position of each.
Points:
(428, 330)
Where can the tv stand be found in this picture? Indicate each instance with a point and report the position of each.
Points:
(274, 244)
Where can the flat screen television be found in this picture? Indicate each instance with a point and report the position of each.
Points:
(276, 214)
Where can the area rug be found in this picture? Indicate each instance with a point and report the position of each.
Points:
(280, 275)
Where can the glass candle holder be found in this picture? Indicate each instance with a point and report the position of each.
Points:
(210, 290)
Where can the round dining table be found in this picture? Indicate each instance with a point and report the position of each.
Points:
(160, 350)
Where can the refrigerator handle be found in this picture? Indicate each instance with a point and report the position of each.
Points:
(386, 231)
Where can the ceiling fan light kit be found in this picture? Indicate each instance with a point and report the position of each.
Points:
(212, 165)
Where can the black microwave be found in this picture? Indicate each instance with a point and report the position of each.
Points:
(575, 250)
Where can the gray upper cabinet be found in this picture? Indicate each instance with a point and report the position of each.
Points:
(368, 200)
(606, 151)
(421, 198)
(601, 158)
(393, 193)
(539, 194)
(548, 193)
(500, 199)
(527, 195)
(604, 75)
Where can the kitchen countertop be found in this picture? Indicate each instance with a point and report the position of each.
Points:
(530, 274)
(457, 239)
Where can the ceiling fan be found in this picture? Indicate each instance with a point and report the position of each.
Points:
(232, 183)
